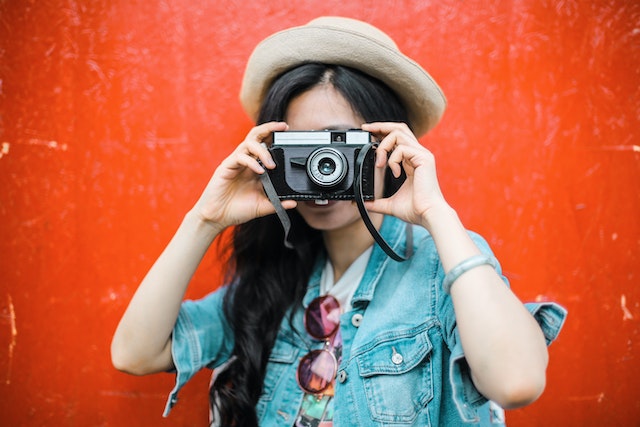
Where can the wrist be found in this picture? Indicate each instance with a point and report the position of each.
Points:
(439, 216)
(201, 226)
(450, 236)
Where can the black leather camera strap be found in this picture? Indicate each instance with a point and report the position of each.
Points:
(280, 211)
(357, 187)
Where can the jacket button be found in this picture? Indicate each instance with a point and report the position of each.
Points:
(396, 358)
(342, 376)
(356, 320)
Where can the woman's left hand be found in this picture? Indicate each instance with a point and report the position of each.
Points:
(399, 149)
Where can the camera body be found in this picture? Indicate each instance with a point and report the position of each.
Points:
(313, 165)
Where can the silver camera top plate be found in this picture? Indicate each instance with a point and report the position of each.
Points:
(321, 137)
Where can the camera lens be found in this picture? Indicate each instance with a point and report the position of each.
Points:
(327, 167)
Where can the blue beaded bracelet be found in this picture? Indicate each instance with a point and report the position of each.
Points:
(466, 265)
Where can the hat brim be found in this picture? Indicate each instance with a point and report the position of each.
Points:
(287, 49)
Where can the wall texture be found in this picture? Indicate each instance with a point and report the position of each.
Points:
(114, 114)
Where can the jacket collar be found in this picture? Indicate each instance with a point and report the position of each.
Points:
(393, 231)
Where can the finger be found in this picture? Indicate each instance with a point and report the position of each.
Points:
(289, 204)
(390, 145)
(256, 146)
(398, 154)
(265, 207)
(259, 152)
(395, 161)
(384, 128)
(263, 131)
(385, 148)
(381, 206)
(250, 162)
(381, 157)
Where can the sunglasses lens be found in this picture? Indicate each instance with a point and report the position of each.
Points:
(322, 317)
(316, 371)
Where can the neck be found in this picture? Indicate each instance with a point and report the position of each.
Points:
(344, 246)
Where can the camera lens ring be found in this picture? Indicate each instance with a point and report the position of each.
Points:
(327, 167)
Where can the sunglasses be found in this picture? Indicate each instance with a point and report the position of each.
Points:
(318, 368)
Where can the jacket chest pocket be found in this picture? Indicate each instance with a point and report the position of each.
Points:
(397, 376)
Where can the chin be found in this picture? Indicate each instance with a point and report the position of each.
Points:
(334, 215)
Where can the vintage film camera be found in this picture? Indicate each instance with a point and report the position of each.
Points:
(321, 165)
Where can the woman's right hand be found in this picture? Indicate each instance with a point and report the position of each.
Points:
(142, 341)
(234, 194)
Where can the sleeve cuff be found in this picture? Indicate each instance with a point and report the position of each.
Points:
(465, 395)
(184, 349)
(549, 315)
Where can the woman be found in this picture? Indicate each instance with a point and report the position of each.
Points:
(332, 329)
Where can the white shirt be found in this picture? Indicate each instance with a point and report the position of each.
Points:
(344, 288)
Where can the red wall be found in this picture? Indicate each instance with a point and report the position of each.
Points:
(115, 113)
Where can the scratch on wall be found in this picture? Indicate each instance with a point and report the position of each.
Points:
(626, 314)
(4, 149)
(54, 145)
(132, 394)
(632, 148)
(597, 397)
(14, 334)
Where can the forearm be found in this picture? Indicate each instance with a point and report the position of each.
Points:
(141, 343)
(503, 344)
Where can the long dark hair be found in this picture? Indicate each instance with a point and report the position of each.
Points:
(266, 278)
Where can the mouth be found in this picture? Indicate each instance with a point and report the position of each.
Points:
(320, 203)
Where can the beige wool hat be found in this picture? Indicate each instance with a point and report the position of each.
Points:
(351, 43)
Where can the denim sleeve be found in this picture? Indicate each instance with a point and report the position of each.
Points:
(201, 338)
(550, 316)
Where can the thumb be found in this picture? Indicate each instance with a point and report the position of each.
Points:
(382, 206)
(265, 207)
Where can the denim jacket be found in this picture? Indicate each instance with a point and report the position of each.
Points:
(402, 361)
